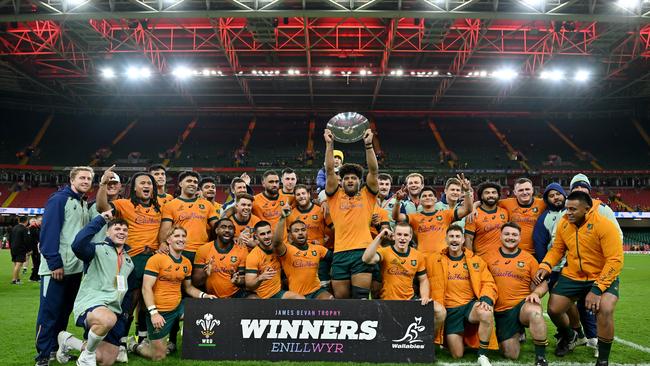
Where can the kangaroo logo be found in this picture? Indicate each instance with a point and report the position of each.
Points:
(412, 332)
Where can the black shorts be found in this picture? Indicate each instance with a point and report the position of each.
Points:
(19, 254)
(114, 335)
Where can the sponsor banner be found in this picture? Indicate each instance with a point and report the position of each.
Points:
(632, 215)
(308, 330)
(21, 211)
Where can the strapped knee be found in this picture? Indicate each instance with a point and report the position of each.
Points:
(360, 292)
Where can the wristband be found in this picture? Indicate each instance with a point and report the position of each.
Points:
(152, 307)
(201, 295)
(369, 146)
(153, 312)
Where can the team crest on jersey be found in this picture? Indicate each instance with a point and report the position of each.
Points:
(414, 262)
(185, 269)
(535, 209)
(521, 264)
(201, 206)
(233, 258)
(465, 266)
(314, 217)
(314, 253)
(590, 226)
(282, 203)
(475, 265)
(439, 218)
(502, 216)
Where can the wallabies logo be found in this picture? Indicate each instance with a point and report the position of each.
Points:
(414, 262)
(233, 258)
(521, 264)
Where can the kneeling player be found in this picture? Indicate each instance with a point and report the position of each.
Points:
(517, 307)
(219, 265)
(100, 307)
(400, 265)
(300, 260)
(164, 275)
(263, 267)
(465, 287)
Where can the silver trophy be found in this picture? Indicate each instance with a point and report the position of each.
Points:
(348, 127)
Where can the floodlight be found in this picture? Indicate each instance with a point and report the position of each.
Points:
(108, 73)
(505, 74)
(582, 76)
(553, 75)
(628, 4)
(182, 72)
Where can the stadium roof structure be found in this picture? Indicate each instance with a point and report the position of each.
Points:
(402, 57)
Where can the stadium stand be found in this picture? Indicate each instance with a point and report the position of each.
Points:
(291, 133)
(615, 148)
(406, 142)
(212, 142)
(539, 144)
(24, 126)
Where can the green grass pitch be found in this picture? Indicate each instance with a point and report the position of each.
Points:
(19, 305)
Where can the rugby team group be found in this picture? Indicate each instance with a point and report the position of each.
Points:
(485, 262)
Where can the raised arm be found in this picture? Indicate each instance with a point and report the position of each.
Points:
(332, 180)
(81, 246)
(396, 215)
(102, 194)
(370, 255)
(280, 229)
(371, 159)
(468, 197)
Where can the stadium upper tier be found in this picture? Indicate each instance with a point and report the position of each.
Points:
(224, 141)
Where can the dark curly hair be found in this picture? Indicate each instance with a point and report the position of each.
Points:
(355, 169)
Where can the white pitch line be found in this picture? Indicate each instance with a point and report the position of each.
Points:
(509, 363)
(624, 342)
(637, 347)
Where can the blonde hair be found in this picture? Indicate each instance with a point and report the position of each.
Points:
(174, 228)
(415, 175)
(75, 171)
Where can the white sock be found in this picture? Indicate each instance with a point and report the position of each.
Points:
(93, 341)
(73, 342)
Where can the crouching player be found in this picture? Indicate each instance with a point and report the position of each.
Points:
(301, 260)
(164, 275)
(400, 265)
(465, 287)
(517, 307)
(101, 306)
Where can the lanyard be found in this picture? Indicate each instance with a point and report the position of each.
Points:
(119, 260)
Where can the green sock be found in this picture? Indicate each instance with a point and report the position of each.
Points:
(483, 347)
(540, 348)
(565, 332)
(604, 347)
